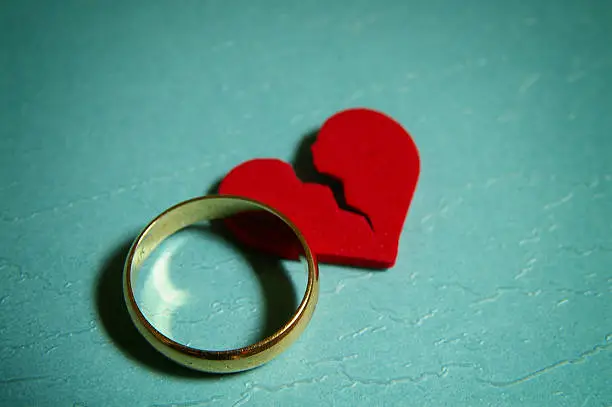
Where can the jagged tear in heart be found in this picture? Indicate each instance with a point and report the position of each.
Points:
(303, 166)
(364, 151)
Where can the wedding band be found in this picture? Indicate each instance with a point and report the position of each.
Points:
(227, 361)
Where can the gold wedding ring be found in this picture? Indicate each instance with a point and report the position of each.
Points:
(227, 361)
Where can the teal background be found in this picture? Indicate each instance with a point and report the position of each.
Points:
(110, 112)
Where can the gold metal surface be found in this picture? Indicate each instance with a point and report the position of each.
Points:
(235, 360)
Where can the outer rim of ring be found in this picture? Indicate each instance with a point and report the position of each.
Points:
(310, 295)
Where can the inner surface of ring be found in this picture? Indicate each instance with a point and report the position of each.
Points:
(184, 216)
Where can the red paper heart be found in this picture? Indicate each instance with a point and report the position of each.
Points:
(378, 164)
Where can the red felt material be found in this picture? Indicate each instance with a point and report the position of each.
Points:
(378, 164)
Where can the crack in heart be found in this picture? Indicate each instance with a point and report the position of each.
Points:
(337, 188)
(305, 170)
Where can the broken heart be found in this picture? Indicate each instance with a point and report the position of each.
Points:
(378, 164)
